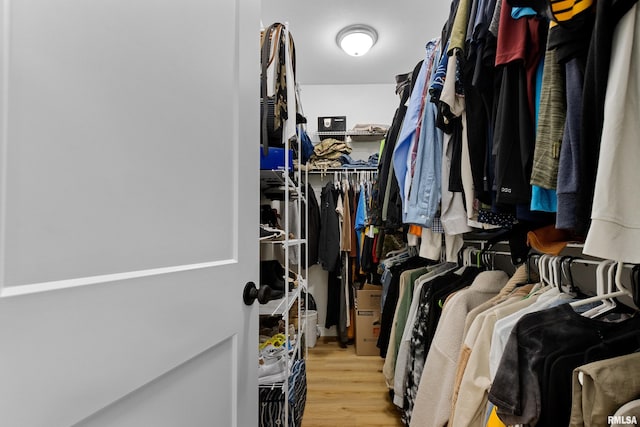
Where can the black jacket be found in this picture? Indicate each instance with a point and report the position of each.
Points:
(329, 244)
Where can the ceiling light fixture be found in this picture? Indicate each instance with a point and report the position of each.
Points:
(356, 40)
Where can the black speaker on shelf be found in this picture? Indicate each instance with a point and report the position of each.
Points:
(336, 124)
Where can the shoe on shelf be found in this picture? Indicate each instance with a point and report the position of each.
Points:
(269, 353)
(269, 233)
(278, 340)
(272, 274)
(274, 372)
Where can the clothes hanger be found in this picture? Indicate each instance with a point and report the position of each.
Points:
(564, 274)
(489, 259)
(345, 180)
(635, 285)
(615, 283)
(605, 276)
(474, 257)
(559, 274)
(486, 260)
(398, 256)
(460, 256)
(558, 271)
(530, 257)
(391, 254)
(553, 276)
(542, 269)
(465, 260)
(465, 257)
(546, 274)
(550, 271)
(566, 263)
(621, 290)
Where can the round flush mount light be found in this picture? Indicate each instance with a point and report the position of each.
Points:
(356, 40)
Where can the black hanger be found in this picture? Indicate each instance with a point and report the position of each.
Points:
(530, 256)
(635, 284)
(565, 271)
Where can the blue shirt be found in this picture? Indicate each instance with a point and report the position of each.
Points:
(424, 198)
(410, 123)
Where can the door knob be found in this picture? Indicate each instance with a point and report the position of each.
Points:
(251, 293)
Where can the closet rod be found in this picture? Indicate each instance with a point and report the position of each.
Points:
(490, 252)
(597, 262)
(349, 170)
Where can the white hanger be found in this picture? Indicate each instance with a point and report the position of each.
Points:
(542, 269)
(554, 278)
(472, 256)
(391, 254)
(473, 253)
(605, 277)
(622, 291)
(465, 259)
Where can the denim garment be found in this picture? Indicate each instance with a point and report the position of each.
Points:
(424, 198)
(408, 131)
(410, 123)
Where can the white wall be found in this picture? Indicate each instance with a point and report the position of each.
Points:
(372, 103)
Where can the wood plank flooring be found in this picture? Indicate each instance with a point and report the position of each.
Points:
(345, 390)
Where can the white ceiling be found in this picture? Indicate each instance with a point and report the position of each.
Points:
(403, 26)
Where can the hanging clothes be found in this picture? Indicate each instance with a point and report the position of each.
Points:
(510, 97)
(408, 279)
(329, 245)
(427, 318)
(517, 55)
(534, 344)
(602, 388)
(408, 130)
(614, 229)
(391, 299)
(311, 229)
(435, 391)
(596, 76)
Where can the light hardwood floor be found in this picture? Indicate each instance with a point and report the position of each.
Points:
(345, 390)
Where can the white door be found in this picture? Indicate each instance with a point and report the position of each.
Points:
(128, 219)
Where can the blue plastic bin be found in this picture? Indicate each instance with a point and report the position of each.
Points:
(274, 160)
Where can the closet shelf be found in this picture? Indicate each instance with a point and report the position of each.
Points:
(350, 133)
(272, 386)
(279, 307)
(287, 243)
(272, 177)
(274, 185)
(295, 242)
(290, 362)
(346, 169)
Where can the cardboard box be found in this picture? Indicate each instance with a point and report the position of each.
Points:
(368, 298)
(368, 321)
(367, 332)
